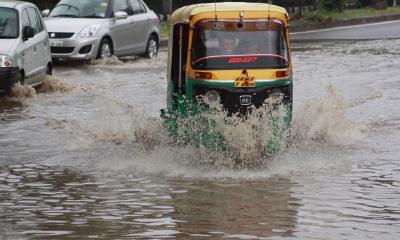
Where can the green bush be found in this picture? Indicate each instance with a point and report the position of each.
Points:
(44, 4)
(331, 5)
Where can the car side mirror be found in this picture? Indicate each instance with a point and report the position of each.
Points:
(120, 15)
(46, 13)
(27, 33)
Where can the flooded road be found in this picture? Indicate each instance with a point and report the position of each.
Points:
(92, 162)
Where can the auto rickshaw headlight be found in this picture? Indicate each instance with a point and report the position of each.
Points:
(212, 97)
(277, 94)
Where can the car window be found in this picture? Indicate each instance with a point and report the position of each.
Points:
(8, 23)
(81, 8)
(34, 21)
(25, 19)
(142, 7)
(39, 19)
(136, 7)
(120, 5)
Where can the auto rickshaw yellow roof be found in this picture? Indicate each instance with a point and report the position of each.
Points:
(183, 14)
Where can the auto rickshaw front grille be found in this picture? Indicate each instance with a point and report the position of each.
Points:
(230, 98)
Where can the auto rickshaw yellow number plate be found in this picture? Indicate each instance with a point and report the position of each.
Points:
(245, 81)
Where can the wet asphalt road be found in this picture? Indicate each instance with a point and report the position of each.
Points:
(382, 30)
(77, 164)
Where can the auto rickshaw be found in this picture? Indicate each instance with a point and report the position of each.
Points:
(235, 54)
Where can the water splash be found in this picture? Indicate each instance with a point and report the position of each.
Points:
(54, 84)
(234, 141)
(317, 123)
(22, 91)
(113, 60)
(50, 84)
(323, 120)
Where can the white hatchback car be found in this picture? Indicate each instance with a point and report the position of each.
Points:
(88, 29)
(24, 45)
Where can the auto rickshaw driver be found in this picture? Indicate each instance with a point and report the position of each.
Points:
(228, 46)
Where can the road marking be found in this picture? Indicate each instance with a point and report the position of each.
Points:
(346, 27)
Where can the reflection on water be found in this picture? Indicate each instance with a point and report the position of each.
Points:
(238, 210)
(51, 203)
(10, 110)
(7, 104)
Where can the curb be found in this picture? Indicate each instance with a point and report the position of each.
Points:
(164, 42)
(339, 23)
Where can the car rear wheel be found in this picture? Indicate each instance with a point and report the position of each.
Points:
(152, 47)
(105, 49)
(49, 70)
(47, 74)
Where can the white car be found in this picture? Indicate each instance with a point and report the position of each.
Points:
(24, 45)
(88, 29)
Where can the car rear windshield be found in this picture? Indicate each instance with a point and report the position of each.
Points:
(81, 8)
(9, 26)
(239, 44)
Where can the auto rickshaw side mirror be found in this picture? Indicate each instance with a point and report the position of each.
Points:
(27, 33)
(46, 13)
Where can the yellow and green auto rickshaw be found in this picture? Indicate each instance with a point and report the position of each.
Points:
(234, 54)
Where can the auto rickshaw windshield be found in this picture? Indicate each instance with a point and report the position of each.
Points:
(239, 44)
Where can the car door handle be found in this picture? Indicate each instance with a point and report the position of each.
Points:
(34, 49)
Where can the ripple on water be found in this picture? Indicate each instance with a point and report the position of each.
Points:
(156, 233)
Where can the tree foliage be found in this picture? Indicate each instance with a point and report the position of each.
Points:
(331, 5)
(160, 5)
(44, 4)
